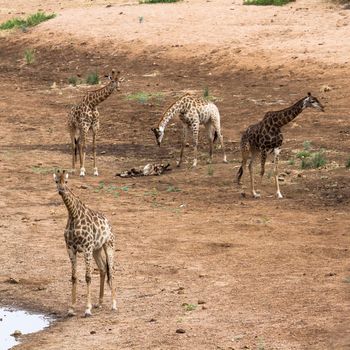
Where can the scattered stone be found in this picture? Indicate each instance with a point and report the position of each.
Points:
(180, 331)
(288, 172)
(152, 320)
(84, 187)
(330, 274)
(13, 280)
(204, 307)
(93, 332)
(109, 5)
(16, 333)
(200, 302)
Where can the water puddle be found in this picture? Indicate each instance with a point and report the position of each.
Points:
(12, 321)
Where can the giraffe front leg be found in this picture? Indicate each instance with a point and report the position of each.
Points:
(251, 173)
(73, 259)
(276, 152)
(82, 151)
(74, 149)
(183, 144)
(263, 161)
(88, 260)
(94, 152)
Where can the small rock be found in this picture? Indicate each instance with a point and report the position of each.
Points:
(300, 175)
(200, 302)
(84, 187)
(152, 320)
(109, 5)
(16, 333)
(204, 307)
(288, 172)
(13, 280)
(180, 331)
(330, 274)
(93, 332)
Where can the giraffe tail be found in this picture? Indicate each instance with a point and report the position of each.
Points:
(215, 136)
(109, 272)
(239, 174)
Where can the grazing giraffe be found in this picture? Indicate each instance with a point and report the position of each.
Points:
(85, 116)
(193, 111)
(266, 136)
(87, 232)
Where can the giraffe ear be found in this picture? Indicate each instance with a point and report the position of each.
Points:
(66, 176)
(309, 94)
(55, 177)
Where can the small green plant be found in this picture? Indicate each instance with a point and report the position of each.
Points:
(347, 164)
(207, 95)
(156, 1)
(303, 154)
(29, 56)
(73, 80)
(37, 169)
(30, 21)
(291, 161)
(173, 189)
(267, 2)
(92, 79)
(210, 171)
(144, 97)
(307, 145)
(100, 186)
(189, 307)
(314, 161)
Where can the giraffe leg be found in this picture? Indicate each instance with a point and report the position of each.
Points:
(102, 268)
(276, 152)
(195, 131)
(74, 149)
(82, 151)
(210, 133)
(251, 173)
(263, 156)
(94, 152)
(109, 250)
(221, 139)
(183, 143)
(245, 157)
(73, 259)
(88, 260)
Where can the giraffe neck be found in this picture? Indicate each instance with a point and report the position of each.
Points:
(287, 115)
(73, 204)
(170, 113)
(93, 98)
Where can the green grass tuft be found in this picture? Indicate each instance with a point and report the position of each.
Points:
(144, 97)
(92, 79)
(314, 161)
(73, 80)
(29, 56)
(30, 21)
(267, 2)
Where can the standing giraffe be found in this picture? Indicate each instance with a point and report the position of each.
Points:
(87, 232)
(193, 111)
(267, 136)
(84, 116)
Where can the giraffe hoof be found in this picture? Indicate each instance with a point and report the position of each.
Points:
(178, 164)
(88, 313)
(71, 313)
(225, 161)
(97, 306)
(95, 172)
(256, 195)
(279, 195)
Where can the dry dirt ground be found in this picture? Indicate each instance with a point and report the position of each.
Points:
(192, 252)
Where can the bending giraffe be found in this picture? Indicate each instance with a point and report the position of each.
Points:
(84, 117)
(90, 233)
(266, 136)
(193, 111)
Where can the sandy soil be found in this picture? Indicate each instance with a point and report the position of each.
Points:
(261, 274)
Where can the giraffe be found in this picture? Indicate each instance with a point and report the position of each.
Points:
(87, 232)
(193, 111)
(85, 116)
(266, 136)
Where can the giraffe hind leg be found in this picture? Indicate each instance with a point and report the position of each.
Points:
(109, 251)
(101, 263)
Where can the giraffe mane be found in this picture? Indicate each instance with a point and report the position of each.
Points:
(171, 105)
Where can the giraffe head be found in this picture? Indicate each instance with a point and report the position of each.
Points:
(313, 102)
(115, 78)
(61, 180)
(159, 133)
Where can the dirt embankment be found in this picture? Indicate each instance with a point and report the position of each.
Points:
(192, 253)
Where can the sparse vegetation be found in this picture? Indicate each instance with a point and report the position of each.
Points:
(144, 97)
(30, 21)
(189, 307)
(267, 2)
(92, 79)
(29, 56)
(156, 1)
(37, 169)
(73, 80)
(314, 161)
(207, 95)
(173, 189)
(210, 171)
